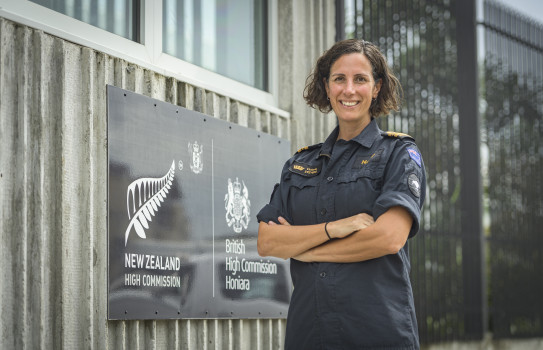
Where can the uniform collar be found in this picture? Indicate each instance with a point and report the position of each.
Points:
(368, 135)
(326, 149)
(365, 138)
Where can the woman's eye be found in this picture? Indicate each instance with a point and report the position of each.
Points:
(338, 79)
(360, 79)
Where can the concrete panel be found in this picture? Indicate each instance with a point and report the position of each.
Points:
(306, 29)
(53, 190)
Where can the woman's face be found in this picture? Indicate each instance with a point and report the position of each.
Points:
(351, 87)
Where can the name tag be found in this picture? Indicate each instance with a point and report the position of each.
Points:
(304, 169)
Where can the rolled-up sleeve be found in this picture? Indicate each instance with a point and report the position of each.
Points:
(271, 211)
(404, 184)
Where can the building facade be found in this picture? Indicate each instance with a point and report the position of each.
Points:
(56, 59)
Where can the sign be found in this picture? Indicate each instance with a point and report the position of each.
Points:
(183, 193)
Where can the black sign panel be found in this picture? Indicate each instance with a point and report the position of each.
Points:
(184, 191)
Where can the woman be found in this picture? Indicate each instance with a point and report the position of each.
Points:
(344, 210)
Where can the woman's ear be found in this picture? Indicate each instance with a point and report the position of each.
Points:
(377, 88)
(325, 82)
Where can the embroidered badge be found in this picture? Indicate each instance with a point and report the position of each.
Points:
(361, 161)
(304, 169)
(307, 148)
(415, 156)
(414, 184)
(377, 154)
(398, 135)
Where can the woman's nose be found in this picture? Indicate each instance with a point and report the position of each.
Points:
(349, 88)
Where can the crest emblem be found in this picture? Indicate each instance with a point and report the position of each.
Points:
(414, 185)
(237, 205)
(196, 159)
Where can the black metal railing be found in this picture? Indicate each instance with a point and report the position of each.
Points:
(460, 270)
(513, 99)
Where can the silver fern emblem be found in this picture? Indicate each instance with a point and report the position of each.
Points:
(146, 194)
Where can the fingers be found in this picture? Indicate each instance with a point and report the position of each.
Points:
(364, 220)
(282, 221)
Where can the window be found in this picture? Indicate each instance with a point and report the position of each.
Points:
(224, 46)
(229, 37)
(121, 17)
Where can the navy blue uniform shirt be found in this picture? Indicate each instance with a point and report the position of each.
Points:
(364, 305)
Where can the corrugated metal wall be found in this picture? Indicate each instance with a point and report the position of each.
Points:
(53, 184)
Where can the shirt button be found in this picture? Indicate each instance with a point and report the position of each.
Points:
(323, 274)
(323, 211)
(330, 178)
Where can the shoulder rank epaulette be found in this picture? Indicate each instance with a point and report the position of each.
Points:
(307, 148)
(398, 135)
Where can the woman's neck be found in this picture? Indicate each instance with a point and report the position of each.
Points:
(347, 131)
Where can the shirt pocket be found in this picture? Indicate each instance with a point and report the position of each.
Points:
(301, 198)
(358, 190)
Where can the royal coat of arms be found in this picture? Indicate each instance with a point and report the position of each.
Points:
(237, 205)
(196, 159)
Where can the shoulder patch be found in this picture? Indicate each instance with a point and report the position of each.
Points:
(415, 156)
(398, 135)
(307, 148)
(414, 184)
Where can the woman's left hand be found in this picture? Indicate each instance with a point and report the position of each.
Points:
(281, 220)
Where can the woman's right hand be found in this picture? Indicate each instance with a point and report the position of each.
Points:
(344, 227)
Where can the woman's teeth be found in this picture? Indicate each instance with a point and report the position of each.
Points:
(348, 104)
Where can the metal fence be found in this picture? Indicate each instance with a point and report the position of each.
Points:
(431, 47)
(513, 118)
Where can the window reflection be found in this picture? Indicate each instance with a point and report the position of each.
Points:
(225, 36)
(121, 17)
(274, 287)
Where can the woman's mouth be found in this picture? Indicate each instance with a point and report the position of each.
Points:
(349, 103)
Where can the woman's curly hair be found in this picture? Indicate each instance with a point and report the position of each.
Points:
(389, 97)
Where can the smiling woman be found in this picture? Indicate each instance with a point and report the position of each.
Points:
(351, 90)
(390, 90)
(345, 225)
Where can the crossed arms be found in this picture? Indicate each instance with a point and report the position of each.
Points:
(356, 238)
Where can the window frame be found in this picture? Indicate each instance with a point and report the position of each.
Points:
(148, 54)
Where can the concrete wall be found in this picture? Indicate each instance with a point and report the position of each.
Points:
(53, 183)
(306, 30)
